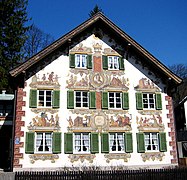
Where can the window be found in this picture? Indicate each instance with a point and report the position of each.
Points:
(81, 142)
(43, 142)
(44, 98)
(80, 60)
(116, 142)
(81, 99)
(113, 62)
(151, 142)
(149, 101)
(114, 99)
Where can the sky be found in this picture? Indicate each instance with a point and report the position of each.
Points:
(160, 26)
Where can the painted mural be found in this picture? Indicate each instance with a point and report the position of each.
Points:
(149, 122)
(45, 79)
(44, 120)
(99, 121)
(146, 84)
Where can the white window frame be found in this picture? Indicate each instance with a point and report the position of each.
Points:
(113, 100)
(40, 140)
(113, 62)
(82, 98)
(147, 99)
(151, 140)
(81, 145)
(44, 100)
(81, 61)
(116, 142)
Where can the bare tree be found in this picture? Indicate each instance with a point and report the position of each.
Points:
(181, 91)
(36, 41)
(179, 69)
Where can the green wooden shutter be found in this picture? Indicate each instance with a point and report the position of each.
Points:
(128, 142)
(140, 142)
(56, 98)
(56, 142)
(125, 100)
(70, 99)
(158, 101)
(29, 147)
(121, 63)
(72, 60)
(105, 62)
(92, 100)
(162, 142)
(94, 143)
(68, 143)
(139, 101)
(33, 98)
(89, 61)
(104, 143)
(104, 100)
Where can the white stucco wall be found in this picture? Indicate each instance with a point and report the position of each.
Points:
(61, 67)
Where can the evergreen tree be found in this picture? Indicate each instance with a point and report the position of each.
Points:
(95, 10)
(13, 17)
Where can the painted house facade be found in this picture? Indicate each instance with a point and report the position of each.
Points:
(94, 98)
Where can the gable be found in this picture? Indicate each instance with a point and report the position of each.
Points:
(117, 39)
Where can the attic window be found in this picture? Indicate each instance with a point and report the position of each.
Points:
(80, 60)
(113, 62)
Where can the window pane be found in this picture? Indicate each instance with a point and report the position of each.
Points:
(81, 142)
(151, 142)
(81, 99)
(116, 142)
(78, 93)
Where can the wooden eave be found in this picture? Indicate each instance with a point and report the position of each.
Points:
(99, 17)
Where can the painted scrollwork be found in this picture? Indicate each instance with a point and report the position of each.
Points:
(124, 157)
(98, 80)
(109, 51)
(43, 157)
(152, 156)
(81, 49)
(81, 157)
